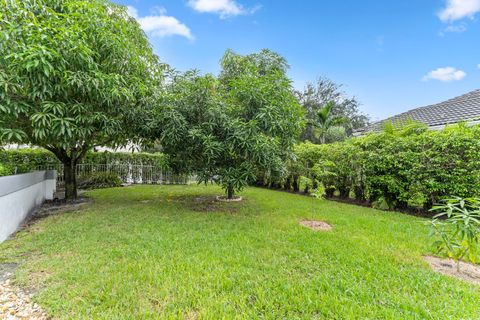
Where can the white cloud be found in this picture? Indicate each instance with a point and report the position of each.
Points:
(478, 66)
(161, 25)
(459, 9)
(224, 8)
(132, 12)
(457, 29)
(446, 74)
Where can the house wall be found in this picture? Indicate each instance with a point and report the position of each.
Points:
(20, 195)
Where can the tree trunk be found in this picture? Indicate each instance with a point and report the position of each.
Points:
(70, 178)
(344, 192)
(296, 187)
(230, 192)
(288, 183)
(360, 193)
(329, 192)
(322, 138)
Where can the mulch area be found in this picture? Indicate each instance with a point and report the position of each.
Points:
(468, 272)
(316, 225)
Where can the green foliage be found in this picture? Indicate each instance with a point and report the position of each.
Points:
(5, 170)
(26, 160)
(458, 226)
(398, 168)
(73, 75)
(98, 180)
(228, 129)
(313, 99)
(326, 121)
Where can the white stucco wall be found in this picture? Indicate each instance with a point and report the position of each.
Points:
(20, 195)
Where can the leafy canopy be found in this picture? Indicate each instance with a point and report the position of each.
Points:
(227, 129)
(73, 75)
(314, 98)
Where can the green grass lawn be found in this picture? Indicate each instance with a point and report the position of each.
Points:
(161, 252)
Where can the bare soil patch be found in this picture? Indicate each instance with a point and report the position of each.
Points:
(225, 199)
(208, 204)
(58, 207)
(468, 272)
(316, 225)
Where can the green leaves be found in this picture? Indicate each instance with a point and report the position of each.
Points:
(72, 72)
(13, 135)
(458, 226)
(228, 129)
(74, 75)
(406, 168)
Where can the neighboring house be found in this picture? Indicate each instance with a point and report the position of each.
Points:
(465, 108)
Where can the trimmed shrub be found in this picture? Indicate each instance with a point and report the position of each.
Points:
(98, 180)
(407, 168)
(26, 160)
(5, 170)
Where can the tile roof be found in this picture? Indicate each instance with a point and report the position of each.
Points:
(463, 108)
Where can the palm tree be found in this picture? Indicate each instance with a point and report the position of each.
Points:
(326, 121)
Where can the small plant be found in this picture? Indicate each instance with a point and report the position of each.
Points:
(5, 170)
(98, 180)
(458, 226)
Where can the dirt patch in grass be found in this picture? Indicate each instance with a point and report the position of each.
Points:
(316, 225)
(208, 204)
(192, 315)
(468, 272)
(49, 208)
(225, 199)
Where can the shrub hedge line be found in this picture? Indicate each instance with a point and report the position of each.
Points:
(407, 168)
(25, 160)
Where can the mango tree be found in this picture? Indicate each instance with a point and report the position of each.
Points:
(73, 75)
(229, 128)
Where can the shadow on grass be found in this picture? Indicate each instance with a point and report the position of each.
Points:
(208, 203)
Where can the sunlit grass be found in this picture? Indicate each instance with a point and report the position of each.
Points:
(156, 252)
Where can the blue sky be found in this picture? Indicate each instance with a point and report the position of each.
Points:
(391, 55)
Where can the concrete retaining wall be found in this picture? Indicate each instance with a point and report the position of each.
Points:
(20, 195)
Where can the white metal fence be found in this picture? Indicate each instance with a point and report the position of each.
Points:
(129, 174)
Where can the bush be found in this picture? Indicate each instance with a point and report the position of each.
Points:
(5, 170)
(401, 168)
(457, 225)
(26, 160)
(99, 180)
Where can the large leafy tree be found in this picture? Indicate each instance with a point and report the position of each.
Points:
(314, 98)
(73, 75)
(229, 128)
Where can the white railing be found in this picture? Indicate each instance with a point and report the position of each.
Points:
(129, 174)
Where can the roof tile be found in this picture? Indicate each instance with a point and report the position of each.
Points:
(463, 108)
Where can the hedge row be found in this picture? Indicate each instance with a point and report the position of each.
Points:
(411, 167)
(26, 160)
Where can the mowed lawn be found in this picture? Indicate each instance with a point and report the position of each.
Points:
(168, 252)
